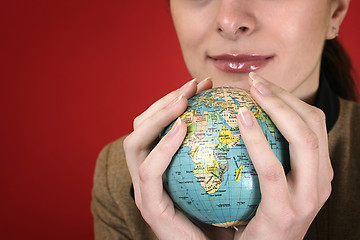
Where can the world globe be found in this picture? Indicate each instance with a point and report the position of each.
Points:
(211, 176)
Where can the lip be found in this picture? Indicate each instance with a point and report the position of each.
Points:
(240, 63)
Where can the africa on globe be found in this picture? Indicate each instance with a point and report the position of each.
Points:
(211, 177)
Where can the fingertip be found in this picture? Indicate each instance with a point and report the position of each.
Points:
(251, 75)
(189, 83)
(188, 89)
(204, 85)
(177, 127)
(176, 101)
(245, 117)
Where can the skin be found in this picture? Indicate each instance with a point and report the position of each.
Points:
(283, 28)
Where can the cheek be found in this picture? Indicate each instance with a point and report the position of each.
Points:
(192, 35)
(301, 40)
(305, 26)
(193, 41)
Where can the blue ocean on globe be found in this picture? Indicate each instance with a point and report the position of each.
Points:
(211, 177)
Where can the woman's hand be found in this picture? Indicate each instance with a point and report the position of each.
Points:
(147, 159)
(289, 203)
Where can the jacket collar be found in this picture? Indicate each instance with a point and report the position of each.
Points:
(328, 102)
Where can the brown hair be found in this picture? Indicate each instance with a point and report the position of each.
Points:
(338, 70)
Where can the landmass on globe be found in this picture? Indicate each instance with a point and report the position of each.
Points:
(211, 177)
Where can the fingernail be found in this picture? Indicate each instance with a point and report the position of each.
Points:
(176, 100)
(188, 84)
(203, 82)
(252, 75)
(262, 88)
(245, 117)
(260, 84)
(256, 78)
(175, 127)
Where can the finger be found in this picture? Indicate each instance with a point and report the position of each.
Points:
(271, 174)
(136, 153)
(140, 141)
(204, 85)
(133, 161)
(152, 169)
(188, 90)
(312, 116)
(316, 121)
(303, 141)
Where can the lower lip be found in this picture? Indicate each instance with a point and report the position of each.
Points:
(234, 66)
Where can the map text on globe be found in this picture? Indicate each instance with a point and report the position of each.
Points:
(211, 177)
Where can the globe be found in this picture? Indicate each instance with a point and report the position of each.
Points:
(211, 176)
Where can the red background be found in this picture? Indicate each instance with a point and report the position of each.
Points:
(73, 76)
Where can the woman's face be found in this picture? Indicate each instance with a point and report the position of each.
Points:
(282, 40)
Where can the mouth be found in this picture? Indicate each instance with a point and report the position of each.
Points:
(240, 63)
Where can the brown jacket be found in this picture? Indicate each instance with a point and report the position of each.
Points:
(116, 216)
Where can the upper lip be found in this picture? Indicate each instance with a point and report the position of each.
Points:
(241, 57)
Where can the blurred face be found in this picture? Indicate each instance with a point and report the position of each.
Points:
(282, 40)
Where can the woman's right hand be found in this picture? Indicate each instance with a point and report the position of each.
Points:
(148, 157)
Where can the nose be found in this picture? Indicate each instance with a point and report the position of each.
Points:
(234, 19)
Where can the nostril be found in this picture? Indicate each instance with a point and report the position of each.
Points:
(231, 30)
(243, 29)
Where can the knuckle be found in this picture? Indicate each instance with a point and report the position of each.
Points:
(150, 214)
(273, 173)
(137, 122)
(331, 174)
(280, 106)
(144, 173)
(311, 140)
(164, 148)
(129, 144)
(311, 208)
(307, 206)
(326, 193)
(330, 170)
(310, 205)
(146, 216)
(138, 202)
(317, 116)
(279, 90)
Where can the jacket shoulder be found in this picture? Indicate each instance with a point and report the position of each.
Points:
(115, 213)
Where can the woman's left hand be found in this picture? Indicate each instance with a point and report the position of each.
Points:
(289, 202)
